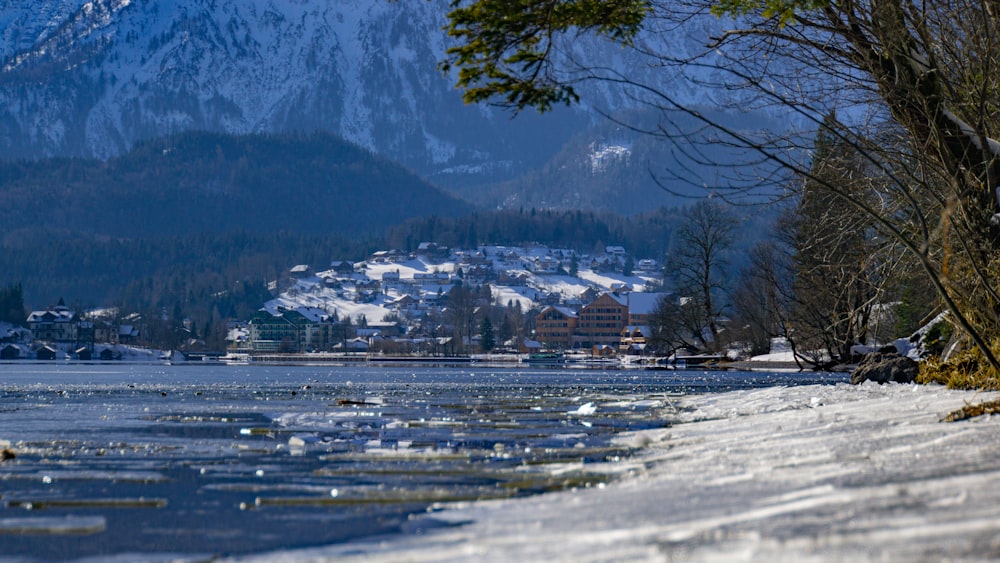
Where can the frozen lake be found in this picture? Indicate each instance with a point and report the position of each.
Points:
(150, 462)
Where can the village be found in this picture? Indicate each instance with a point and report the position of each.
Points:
(530, 301)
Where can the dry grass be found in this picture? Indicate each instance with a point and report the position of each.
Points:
(967, 369)
(970, 411)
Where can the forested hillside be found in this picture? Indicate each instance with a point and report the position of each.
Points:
(203, 182)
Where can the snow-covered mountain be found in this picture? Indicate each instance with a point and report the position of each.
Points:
(91, 77)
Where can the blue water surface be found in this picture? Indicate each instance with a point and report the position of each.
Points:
(148, 462)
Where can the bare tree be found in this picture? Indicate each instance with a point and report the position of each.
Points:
(696, 269)
(762, 299)
(916, 82)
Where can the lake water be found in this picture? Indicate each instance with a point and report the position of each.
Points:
(151, 462)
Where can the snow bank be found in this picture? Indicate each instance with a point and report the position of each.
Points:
(813, 473)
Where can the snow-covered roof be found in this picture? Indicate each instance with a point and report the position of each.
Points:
(55, 314)
(643, 303)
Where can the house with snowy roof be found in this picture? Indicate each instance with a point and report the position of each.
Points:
(634, 339)
(55, 324)
(342, 267)
(543, 264)
(554, 326)
(647, 265)
(642, 307)
(300, 271)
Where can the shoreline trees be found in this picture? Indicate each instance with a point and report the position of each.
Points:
(915, 85)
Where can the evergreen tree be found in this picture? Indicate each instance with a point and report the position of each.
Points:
(12, 305)
(487, 338)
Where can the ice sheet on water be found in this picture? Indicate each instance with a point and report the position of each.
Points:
(61, 525)
(815, 473)
(50, 476)
(139, 557)
(584, 409)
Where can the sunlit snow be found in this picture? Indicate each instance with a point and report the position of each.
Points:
(812, 473)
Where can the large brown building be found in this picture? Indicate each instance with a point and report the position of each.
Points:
(554, 327)
(601, 322)
(598, 324)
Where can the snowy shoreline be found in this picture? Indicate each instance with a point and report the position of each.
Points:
(821, 473)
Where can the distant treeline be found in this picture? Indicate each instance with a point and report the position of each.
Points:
(161, 272)
(646, 235)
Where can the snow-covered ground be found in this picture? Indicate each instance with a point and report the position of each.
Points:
(812, 473)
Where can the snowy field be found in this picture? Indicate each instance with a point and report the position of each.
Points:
(813, 473)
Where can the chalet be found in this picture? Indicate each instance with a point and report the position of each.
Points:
(404, 303)
(387, 257)
(476, 275)
(554, 326)
(634, 339)
(647, 265)
(604, 264)
(602, 351)
(342, 267)
(589, 295)
(387, 329)
(432, 251)
(618, 251)
(57, 324)
(553, 298)
(300, 271)
(544, 265)
(601, 322)
(474, 258)
(620, 288)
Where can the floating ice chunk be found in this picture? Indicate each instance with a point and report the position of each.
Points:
(75, 525)
(584, 409)
(302, 440)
